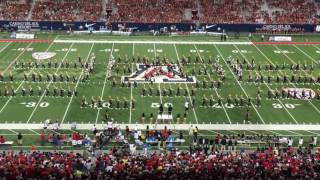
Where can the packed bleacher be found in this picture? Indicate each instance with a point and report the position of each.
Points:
(208, 157)
(298, 11)
(71, 10)
(207, 11)
(151, 11)
(231, 11)
(121, 164)
(14, 10)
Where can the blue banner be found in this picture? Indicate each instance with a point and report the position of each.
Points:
(216, 27)
(48, 25)
(95, 26)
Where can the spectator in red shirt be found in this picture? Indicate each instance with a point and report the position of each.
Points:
(2, 140)
(42, 139)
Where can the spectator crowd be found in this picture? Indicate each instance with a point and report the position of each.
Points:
(151, 11)
(209, 157)
(169, 11)
(119, 164)
(71, 10)
(14, 10)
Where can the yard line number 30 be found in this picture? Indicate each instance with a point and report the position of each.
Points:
(32, 104)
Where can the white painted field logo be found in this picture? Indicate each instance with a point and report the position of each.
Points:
(169, 73)
(43, 55)
(301, 93)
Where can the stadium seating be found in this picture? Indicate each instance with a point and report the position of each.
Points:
(71, 10)
(294, 11)
(227, 11)
(117, 164)
(14, 10)
(152, 11)
(231, 11)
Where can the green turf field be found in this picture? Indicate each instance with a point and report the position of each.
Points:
(39, 107)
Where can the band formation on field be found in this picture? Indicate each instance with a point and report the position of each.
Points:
(214, 85)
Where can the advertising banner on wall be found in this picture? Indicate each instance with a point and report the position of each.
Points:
(96, 26)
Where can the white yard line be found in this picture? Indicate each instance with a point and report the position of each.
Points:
(15, 132)
(317, 109)
(5, 47)
(148, 42)
(15, 59)
(34, 131)
(160, 94)
(34, 110)
(305, 54)
(312, 132)
(224, 109)
(233, 131)
(278, 134)
(186, 134)
(270, 89)
(75, 88)
(295, 133)
(239, 83)
(316, 47)
(154, 49)
(284, 54)
(194, 112)
(130, 112)
(214, 127)
(215, 132)
(159, 86)
(254, 132)
(105, 82)
(5, 105)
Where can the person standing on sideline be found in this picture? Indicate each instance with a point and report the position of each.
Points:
(19, 139)
(195, 133)
(191, 130)
(110, 125)
(161, 109)
(42, 138)
(290, 142)
(247, 116)
(300, 142)
(170, 109)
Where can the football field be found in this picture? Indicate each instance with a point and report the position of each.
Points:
(215, 99)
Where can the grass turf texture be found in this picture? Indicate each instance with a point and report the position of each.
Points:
(67, 109)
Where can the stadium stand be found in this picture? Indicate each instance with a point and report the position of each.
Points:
(216, 157)
(14, 10)
(231, 11)
(208, 11)
(294, 11)
(152, 11)
(118, 164)
(71, 10)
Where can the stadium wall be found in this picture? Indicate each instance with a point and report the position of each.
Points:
(64, 26)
